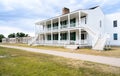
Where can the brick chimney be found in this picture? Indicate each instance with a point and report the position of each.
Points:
(65, 10)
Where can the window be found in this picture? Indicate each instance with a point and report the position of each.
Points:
(63, 36)
(63, 24)
(72, 22)
(83, 36)
(115, 36)
(73, 36)
(55, 36)
(115, 23)
(55, 25)
(49, 26)
(48, 37)
(84, 19)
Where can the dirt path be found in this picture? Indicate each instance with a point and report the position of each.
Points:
(98, 59)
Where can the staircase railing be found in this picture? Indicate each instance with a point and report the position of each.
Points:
(95, 34)
(33, 40)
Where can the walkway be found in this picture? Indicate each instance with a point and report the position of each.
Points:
(98, 59)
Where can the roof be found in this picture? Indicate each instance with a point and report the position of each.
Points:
(68, 13)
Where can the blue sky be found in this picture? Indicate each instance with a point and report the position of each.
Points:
(20, 15)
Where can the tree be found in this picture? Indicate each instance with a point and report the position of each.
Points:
(1, 36)
(11, 35)
(20, 34)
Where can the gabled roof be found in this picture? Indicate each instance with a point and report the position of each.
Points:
(92, 8)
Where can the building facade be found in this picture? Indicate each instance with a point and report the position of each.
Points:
(84, 27)
(17, 40)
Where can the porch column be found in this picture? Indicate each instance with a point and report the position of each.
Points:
(35, 29)
(68, 20)
(59, 30)
(45, 27)
(38, 38)
(79, 19)
(51, 32)
(59, 37)
(45, 37)
(42, 39)
(45, 32)
(59, 23)
(80, 36)
(35, 32)
(68, 36)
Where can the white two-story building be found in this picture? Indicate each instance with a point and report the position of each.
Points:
(84, 27)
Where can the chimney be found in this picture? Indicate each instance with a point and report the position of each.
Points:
(65, 11)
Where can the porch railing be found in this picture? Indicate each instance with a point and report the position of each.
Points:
(72, 24)
(56, 27)
(63, 26)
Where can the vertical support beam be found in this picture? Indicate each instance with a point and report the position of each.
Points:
(51, 31)
(80, 36)
(45, 32)
(59, 30)
(38, 38)
(45, 37)
(51, 38)
(34, 31)
(51, 25)
(79, 19)
(87, 38)
(45, 26)
(59, 23)
(59, 37)
(40, 30)
(68, 20)
(68, 36)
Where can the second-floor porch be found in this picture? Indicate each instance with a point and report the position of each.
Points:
(63, 22)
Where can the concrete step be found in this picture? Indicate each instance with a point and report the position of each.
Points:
(71, 46)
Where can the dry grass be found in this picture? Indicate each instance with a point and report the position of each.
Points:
(18, 62)
(114, 52)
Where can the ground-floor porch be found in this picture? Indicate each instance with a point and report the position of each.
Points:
(61, 38)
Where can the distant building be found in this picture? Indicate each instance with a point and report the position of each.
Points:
(17, 40)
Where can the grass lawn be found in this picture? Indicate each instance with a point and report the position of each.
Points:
(114, 52)
(15, 62)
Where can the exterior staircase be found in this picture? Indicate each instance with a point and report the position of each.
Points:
(98, 42)
(33, 40)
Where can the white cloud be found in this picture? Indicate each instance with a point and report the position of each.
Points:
(22, 25)
(40, 9)
(106, 2)
(6, 30)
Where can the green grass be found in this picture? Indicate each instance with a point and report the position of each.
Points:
(114, 52)
(22, 63)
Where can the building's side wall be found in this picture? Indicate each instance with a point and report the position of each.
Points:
(94, 17)
(111, 30)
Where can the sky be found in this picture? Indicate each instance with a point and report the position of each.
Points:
(21, 15)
